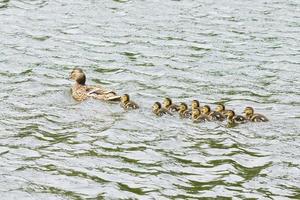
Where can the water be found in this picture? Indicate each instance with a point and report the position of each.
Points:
(241, 53)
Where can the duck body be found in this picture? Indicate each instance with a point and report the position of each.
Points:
(80, 91)
(217, 116)
(127, 104)
(130, 105)
(235, 119)
(240, 119)
(254, 117)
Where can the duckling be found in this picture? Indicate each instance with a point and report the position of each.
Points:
(81, 91)
(198, 117)
(195, 104)
(221, 109)
(167, 104)
(183, 111)
(205, 110)
(254, 117)
(127, 104)
(231, 122)
(158, 110)
(217, 115)
(239, 119)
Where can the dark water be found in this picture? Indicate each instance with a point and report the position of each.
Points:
(241, 53)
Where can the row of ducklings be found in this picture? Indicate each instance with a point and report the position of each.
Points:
(197, 113)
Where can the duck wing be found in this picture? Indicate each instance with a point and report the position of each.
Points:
(240, 119)
(259, 118)
(217, 116)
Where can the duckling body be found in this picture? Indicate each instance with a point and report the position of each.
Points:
(168, 105)
(217, 116)
(127, 104)
(158, 110)
(238, 119)
(80, 91)
(254, 117)
(197, 117)
(183, 111)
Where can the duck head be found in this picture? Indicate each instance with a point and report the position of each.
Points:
(230, 114)
(195, 104)
(182, 107)
(206, 109)
(156, 106)
(78, 75)
(167, 102)
(196, 113)
(248, 111)
(125, 98)
(220, 108)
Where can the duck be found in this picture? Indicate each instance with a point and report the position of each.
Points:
(231, 122)
(127, 104)
(184, 112)
(195, 104)
(168, 105)
(205, 110)
(254, 117)
(80, 91)
(221, 109)
(239, 119)
(158, 110)
(218, 114)
(198, 117)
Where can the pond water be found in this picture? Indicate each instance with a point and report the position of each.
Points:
(240, 53)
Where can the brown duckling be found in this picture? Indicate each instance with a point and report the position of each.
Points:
(158, 110)
(81, 91)
(183, 111)
(239, 119)
(198, 117)
(254, 117)
(127, 104)
(167, 104)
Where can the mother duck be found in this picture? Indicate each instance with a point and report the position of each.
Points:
(81, 91)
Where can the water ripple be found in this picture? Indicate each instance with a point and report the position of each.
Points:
(232, 52)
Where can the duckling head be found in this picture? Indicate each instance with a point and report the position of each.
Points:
(182, 107)
(125, 98)
(220, 108)
(156, 106)
(230, 114)
(167, 102)
(196, 113)
(195, 104)
(248, 111)
(206, 109)
(78, 75)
